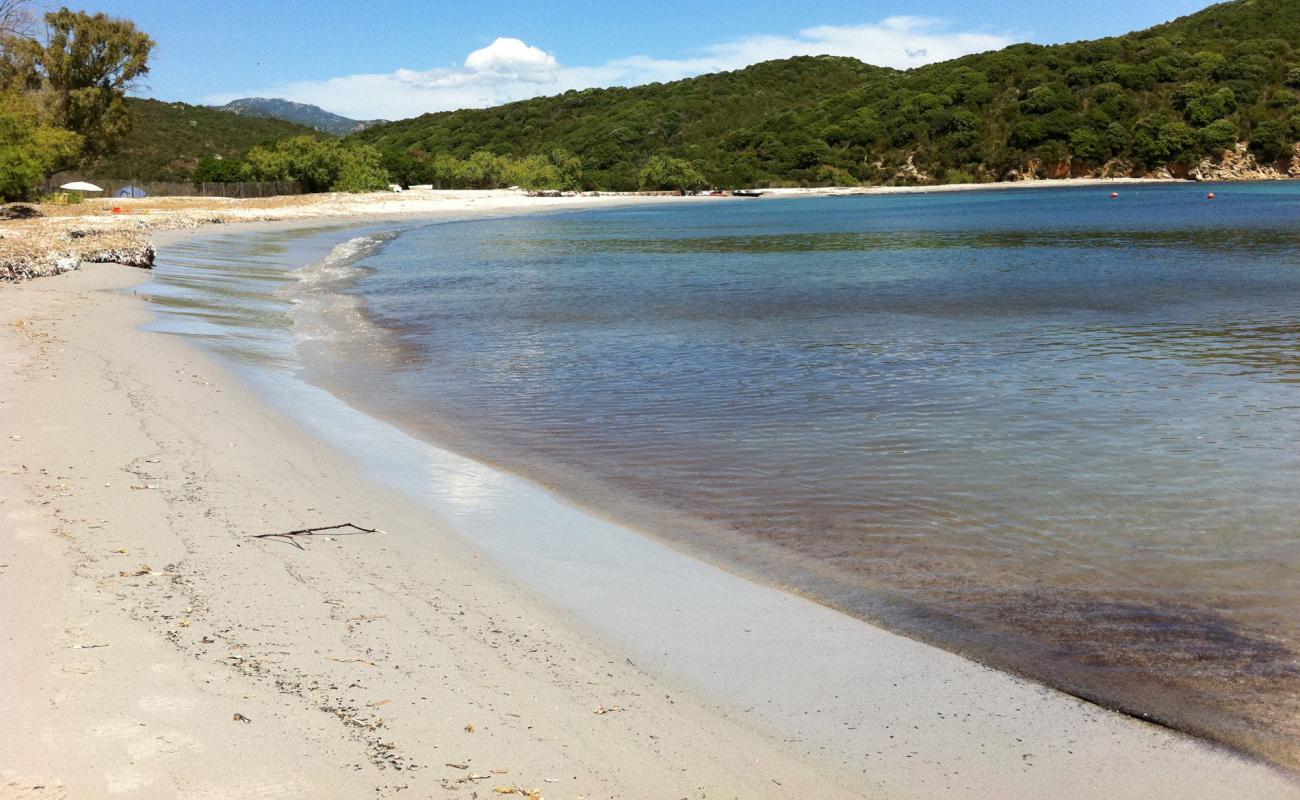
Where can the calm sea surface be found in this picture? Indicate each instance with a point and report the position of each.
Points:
(1053, 431)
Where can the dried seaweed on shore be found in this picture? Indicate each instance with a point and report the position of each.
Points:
(47, 250)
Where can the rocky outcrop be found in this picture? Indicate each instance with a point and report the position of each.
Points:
(1032, 172)
(1038, 170)
(910, 173)
(1239, 164)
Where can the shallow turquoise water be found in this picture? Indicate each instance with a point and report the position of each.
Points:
(1050, 430)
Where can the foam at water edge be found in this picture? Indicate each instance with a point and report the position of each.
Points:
(322, 311)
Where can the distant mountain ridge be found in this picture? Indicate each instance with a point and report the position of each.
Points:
(300, 113)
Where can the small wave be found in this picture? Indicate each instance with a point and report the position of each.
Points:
(323, 311)
(340, 266)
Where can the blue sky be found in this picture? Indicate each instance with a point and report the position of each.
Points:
(396, 58)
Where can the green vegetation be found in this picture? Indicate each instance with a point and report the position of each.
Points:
(82, 71)
(168, 141)
(29, 149)
(63, 95)
(321, 165)
(665, 172)
(180, 142)
(615, 131)
(1162, 98)
(556, 169)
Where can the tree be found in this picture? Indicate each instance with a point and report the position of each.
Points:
(1218, 136)
(213, 169)
(82, 71)
(663, 172)
(319, 165)
(15, 18)
(28, 149)
(531, 172)
(1088, 146)
(1270, 141)
(568, 168)
(360, 170)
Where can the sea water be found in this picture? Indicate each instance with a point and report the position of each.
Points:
(1051, 430)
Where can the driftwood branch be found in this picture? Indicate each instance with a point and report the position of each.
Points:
(291, 536)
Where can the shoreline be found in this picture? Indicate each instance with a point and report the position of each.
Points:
(781, 571)
(92, 232)
(146, 395)
(141, 615)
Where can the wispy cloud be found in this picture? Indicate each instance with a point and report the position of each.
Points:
(510, 69)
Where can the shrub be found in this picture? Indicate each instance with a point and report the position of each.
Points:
(664, 172)
(1270, 141)
(1218, 136)
(319, 165)
(29, 150)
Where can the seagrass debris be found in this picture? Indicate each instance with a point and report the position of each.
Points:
(52, 252)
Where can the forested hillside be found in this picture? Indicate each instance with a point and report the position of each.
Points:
(1166, 97)
(166, 141)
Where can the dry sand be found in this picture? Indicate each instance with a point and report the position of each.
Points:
(153, 648)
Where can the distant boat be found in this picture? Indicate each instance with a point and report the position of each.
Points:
(746, 193)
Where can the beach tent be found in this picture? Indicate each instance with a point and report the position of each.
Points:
(81, 186)
(130, 191)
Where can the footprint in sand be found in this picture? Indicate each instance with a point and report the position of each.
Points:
(163, 744)
(262, 791)
(80, 668)
(25, 533)
(25, 787)
(159, 702)
(28, 534)
(117, 729)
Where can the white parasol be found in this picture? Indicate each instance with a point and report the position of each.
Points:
(81, 186)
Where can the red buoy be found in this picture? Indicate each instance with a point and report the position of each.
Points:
(1210, 196)
(1113, 195)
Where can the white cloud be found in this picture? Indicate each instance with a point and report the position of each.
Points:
(509, 69)
(505, 61)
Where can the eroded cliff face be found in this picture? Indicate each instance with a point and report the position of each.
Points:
(1036, 170)
(1239, 164)
(909, 173)
(1236, 164)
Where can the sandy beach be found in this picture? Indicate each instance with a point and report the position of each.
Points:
(154, 647)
